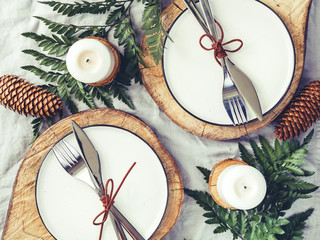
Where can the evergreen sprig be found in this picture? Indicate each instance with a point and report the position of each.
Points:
(153, 28)
(281, 166)
(71, 9)
(53, 47)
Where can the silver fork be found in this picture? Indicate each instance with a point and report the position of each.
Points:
(73, 163)
(232, 100)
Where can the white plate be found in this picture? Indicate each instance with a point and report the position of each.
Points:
(267, 57)
(68, 206)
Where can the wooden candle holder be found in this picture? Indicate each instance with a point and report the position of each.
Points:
(213, 179)
(117, 61)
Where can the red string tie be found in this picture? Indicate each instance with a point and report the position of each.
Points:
(217, 46)
(108, 199)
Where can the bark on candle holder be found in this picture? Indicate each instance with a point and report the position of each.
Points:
(117, 61)
(213, 179)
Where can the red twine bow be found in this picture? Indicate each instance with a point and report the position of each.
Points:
(108, 200)
(217, 46)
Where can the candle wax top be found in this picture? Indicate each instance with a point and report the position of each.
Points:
(241, 186)
(90, 61)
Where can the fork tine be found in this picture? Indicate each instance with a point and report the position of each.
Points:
(67, 149)
(242, 110)
(68, 157)
(65, 164)
(228, 107)
(64, 153)
(236, 111)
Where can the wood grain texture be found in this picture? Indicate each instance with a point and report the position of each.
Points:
(213, 179)
(23, 220)
(293, 13)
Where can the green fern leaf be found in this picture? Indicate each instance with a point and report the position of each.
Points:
(295, 170)
(277, 149)
(205, 172)
(220, 229)
(36, 125)
(212, 221)
(245, 156)
(260, 157)
(301, 186)
(306, 173)
(203, 199)
(232, 219)
(241, 223)
(55, 63)
(33, 36)
(269, 152)
(308, 138)
(210, 215)
(37, 71)
(103, 94)
(115, 15)
(65, 95)
(153, 29)
(47, 76)
(58, 27)
(50, 44)
(297, 157)
(84, 96)
(297, 222)
(129, 67)
(80, 7)
(285, 149)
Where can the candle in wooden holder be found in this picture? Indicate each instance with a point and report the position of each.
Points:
(235, 185)
(93, 61)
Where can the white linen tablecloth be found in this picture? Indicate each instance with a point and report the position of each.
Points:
(187, 150)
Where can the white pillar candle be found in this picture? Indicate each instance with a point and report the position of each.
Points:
(90, 61)
(241, 186)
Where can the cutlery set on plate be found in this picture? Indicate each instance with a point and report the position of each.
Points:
(88, 169)
(238, 91)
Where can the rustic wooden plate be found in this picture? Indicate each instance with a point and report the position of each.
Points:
(23, 220)
(143, 197)
(293, 14)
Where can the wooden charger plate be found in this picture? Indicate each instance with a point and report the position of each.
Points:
(23, 220)
(292, 13)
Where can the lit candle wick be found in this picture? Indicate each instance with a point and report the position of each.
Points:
(87, 60)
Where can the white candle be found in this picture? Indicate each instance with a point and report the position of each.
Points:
(241, 186)
(90, 61)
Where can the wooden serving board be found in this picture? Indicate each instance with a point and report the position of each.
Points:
(293, 13)
(23, 220)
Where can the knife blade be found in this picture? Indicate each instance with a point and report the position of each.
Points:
(240, 79)
(91, 158)
(246, 88)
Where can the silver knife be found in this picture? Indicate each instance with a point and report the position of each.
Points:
(241, 80)
(91, 158)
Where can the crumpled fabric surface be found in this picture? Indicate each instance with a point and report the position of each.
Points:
(187, 150)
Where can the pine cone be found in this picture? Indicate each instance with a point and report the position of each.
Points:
(301, 113)
(28, 99)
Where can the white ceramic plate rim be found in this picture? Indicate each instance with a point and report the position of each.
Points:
(228, 122)
(110, 126)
